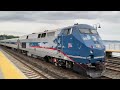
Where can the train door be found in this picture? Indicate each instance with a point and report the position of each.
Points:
(23, 44)
(64, 39)
(18, 44)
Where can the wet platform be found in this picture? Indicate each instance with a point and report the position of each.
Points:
(8, 70)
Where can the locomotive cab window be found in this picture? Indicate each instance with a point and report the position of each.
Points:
(43, 35)
(94, 31)
(88, 31)
(85, 31)
(67, 31)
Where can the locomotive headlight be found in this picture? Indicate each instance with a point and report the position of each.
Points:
(104, 51)
(91, 51)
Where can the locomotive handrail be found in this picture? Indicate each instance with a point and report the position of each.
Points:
(114, 46)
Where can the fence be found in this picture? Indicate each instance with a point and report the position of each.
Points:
(114, 46)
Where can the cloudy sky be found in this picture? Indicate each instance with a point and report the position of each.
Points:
(26, 22)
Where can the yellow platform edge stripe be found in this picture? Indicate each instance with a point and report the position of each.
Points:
(9, 70)
(113, 51)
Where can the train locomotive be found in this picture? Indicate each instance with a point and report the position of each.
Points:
(77, 47)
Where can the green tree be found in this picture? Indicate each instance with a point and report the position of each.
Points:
(7, 37)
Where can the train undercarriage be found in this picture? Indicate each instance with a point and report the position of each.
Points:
(91, 70)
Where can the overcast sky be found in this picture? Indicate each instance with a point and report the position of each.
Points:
(27, 22)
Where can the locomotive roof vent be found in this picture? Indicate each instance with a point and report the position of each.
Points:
(76, 24)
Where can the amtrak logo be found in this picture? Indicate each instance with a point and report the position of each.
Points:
(38, 43)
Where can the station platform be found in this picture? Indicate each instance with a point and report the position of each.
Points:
(8, 70)
(109, 52)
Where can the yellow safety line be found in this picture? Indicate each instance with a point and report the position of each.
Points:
(9, 70)
(113, 51)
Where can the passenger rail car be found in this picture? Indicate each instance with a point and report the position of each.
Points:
(78, 47)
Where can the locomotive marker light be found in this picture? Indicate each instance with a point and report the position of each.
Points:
(91, 51)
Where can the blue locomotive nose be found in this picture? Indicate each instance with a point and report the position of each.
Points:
(96, 49)
(97, 54)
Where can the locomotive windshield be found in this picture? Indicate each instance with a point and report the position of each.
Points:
(88, 31)
(94, 31)
(85, 31)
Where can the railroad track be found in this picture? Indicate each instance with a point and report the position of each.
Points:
(113, 68)
(113, 74)
(29, 70)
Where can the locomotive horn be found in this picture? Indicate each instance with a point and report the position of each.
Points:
(99, 26)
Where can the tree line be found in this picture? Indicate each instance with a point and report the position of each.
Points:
(2, 37)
